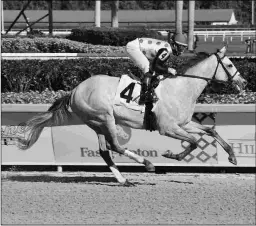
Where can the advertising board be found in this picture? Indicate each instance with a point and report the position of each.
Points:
(12, 128)
(79, 144)
(239, 132)
(40, 153)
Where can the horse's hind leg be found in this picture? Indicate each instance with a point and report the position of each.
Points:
(179, 133)
(104, 153)
(104, 149)
(110, 133)
(193, 127)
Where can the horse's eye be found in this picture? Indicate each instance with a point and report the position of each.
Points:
(230, 65)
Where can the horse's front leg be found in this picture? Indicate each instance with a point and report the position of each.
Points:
(193, 127)
(177, 132)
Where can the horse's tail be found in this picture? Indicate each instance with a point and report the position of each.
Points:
(55, 116)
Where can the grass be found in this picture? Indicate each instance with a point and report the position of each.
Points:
(235, 46)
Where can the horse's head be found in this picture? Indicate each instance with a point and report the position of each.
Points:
(226, 71)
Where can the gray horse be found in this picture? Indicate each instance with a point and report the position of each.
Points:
(93, 102)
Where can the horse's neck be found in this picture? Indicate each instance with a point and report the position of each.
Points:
(204, 69)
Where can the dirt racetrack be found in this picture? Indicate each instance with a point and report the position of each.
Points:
(96, 198)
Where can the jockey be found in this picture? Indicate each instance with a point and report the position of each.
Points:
(143, 50)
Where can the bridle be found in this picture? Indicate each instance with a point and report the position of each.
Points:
(213, 79)
(230, 77)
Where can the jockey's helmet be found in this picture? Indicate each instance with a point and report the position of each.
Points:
(181, 43)
(181, 39)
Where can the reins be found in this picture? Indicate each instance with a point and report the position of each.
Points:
(194, 76)
(209, 80)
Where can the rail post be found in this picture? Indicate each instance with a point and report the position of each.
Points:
(59, 169)
(50, 17)
(2, 16)
(97, 13)
(249, 45)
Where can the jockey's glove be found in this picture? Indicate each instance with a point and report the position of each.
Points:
(172, 71)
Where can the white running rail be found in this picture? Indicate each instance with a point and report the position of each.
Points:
(250, 33)
(64, 56)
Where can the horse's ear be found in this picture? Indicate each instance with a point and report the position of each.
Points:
(226, 44)
(223, 50)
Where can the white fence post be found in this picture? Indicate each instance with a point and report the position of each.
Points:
(2, 17)
(59, 169)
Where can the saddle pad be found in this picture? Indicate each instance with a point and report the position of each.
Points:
(128, 93)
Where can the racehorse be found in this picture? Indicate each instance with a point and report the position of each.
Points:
(93, 102)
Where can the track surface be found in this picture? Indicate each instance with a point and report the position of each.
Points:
(96, 198)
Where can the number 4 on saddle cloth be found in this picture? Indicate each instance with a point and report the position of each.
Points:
(128, 95)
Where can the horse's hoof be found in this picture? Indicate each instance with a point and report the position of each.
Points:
(168, 154)
(128, 184)
(149, 166)
(232, 159)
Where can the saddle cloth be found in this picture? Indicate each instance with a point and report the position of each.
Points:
(128, 93)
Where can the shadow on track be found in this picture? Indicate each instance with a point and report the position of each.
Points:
(109, 181)
(180, 182)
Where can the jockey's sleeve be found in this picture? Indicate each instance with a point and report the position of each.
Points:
(158, 63)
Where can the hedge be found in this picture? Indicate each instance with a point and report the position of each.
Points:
(37, 75)
(48, 97)
(54, 45)
(111, 36)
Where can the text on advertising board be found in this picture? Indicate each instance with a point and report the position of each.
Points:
(243, 147)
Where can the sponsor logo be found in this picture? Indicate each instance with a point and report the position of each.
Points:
(9, 134)
(243, 147)
(123, 134)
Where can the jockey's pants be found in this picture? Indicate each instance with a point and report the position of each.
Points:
(136, 55)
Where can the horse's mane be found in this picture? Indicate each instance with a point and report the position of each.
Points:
(193, 61)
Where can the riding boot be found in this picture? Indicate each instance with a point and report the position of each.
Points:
(144, 94)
